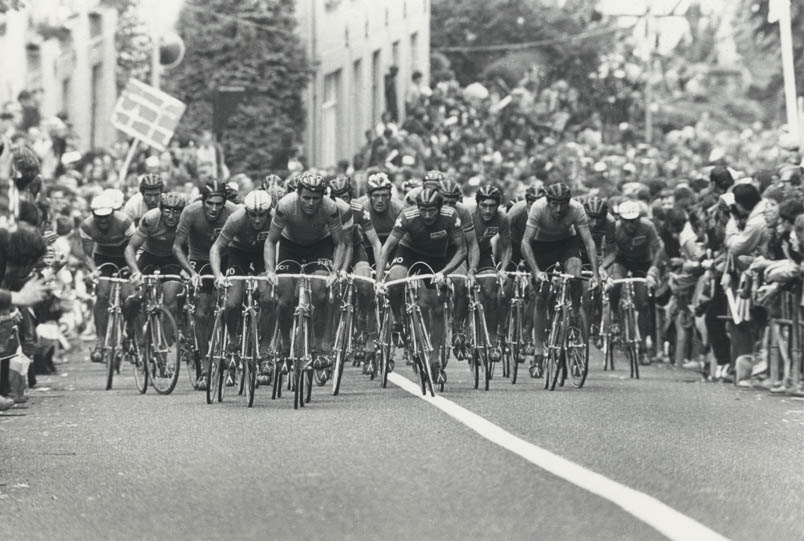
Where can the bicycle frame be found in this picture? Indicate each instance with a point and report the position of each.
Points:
(515, 339)
(632, 339)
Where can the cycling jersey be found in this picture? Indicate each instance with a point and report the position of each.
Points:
(603, 235)
(301, 228)
(239, 234)
(548, 228)
(486, 231)
(428, 240)
(154, 236)
(200, 232)
(383, 223)
(135, 208)
(637, 249)
(113, 241)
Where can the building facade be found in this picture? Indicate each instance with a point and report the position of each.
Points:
(66, 48)
(351, 45)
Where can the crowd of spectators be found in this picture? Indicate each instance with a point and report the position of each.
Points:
(700, 184)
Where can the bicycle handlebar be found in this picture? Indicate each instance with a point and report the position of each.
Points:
(161, 277)
(631, 280)
(409, 279)
(113, 279)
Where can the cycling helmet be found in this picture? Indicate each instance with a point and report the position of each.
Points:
(292, 184)
(434, 175)
(102, 204)
(596, 207)
(151, 181)
(311, 181)
(449, 188)
(270, 180)
(488, 191)
(232, 191)
(531, 194)
(116, 197)
(429, 197)
(557, 192)
(213, 188)
(258, 201)
(276, 191)
(378, 181)
(629, 210)
(340, 185)
(172, 200)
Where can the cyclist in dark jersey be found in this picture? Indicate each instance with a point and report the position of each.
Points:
(382, 208)
(104, 237)
(242, 239)
(362, 234)
(424, 235)
(557, 226)
(491, 223)
(199, 226)
(155, 236)
(307, 228)
(518, 220)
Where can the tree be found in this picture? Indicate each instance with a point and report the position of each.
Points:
(132, 41)
(6, 5)
(254, 46)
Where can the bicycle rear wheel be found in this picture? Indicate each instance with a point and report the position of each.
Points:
(162, 352)
(554, 367)
(633, 357)
(216, 360)
(299, 354)
(474, 366)
(250, 362)
(136, 357)
(514, 343)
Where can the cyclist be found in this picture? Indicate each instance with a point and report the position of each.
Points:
(357, 256)
(243, 240)
(104, 236)
(155, 235)
(518, 220)
(199, 226)
(382, 208)
(451, 193)
(557, 224)
(491, 222)
(424, 235)
(639, 250)
(275, 188)
(151, 188)
(601, 225)
(307, 226)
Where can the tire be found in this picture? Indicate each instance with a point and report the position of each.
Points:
(111, 341)
(577, 352)
(308, 386)
(250, 363)
(162, 354)
(341, 340)
(555, 368)
(216, 360)
(488, 368)
(474, 362)
(633, 354)
(298, 361)
(191, 358)
(276, 391)
(139, 358)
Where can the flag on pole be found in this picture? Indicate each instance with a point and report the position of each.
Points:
(776, 8)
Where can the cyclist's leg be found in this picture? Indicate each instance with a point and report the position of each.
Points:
(571, 260)
(399, 269)
(492, 305)
(642, 306)
(289, 261)
(322, 324)
(365, 298)
(460, 307)
(204, 311)
(239, 265)
(430, 303)
(617, 271)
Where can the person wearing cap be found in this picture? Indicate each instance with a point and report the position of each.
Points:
(151, 187)
(104, 237)
(637, 250)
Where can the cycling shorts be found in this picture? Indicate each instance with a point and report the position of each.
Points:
(242, 262)
(119, 263)
(148, 263)
(292, 251)
(409, 259)
(359, 254)
(548, 253)
(621, 267)
(486, 262)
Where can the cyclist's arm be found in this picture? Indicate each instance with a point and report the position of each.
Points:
(527, 248)
(130, 252)
(656, 247)
(218, 246)
(339, 257)
(348, 254)
(178, 250)
(504, 244)
(269, 252)
(472, 248)
(591, 249)
(460, 253)
(88, 247)
(374, 240)
(390, 245)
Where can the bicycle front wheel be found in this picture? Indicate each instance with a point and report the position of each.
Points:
(162, 355)
(250, 361)
(138, 358)
(216, 360)
(577, 356)
(111, 349)
(341, 342)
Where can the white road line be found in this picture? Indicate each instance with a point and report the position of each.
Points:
(663, 518)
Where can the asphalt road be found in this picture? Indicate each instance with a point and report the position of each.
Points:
(79, 462)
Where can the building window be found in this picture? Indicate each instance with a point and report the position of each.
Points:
(377, 96)
(329, 118)
(97, 92)
(95, 25)
(414, 51)
(357, 102)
